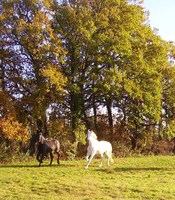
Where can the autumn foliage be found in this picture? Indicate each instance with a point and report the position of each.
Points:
(13, 130)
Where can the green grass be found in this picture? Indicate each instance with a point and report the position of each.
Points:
(127, 178)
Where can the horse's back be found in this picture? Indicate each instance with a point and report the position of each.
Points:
(100, 147)
(52, 145)
(104, 146)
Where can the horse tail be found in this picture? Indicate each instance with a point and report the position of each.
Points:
(57, 146)
(112, 160)
(111, 155)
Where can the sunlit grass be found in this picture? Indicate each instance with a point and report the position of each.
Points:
(128, 178)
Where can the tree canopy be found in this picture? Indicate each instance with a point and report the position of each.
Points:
(68, 60)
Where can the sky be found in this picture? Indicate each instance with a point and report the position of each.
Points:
(162, 17)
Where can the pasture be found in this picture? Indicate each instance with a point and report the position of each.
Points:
(128, 178)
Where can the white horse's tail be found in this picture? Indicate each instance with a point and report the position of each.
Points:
(111, 157)
(112, 160)
(109, 154)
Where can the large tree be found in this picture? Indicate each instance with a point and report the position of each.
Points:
(113, 59)
(30, 59)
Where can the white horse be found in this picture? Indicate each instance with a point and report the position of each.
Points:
(100, 147)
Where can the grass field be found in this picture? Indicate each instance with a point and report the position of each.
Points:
(128, 178)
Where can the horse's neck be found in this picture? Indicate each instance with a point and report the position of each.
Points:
(92, 136)
(42, 139)
(93, 140)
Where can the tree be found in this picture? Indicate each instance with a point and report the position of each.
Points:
(13, 130)
(31, 57)
(113, 59)
(166, 125)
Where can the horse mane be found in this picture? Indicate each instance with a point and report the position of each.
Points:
(94, 135)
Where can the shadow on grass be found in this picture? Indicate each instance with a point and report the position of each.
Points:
(142, 169)
(34, 165)
(132, 169)
(17, 165)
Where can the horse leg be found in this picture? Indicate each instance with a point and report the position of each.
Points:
(89, 161)
(87, 156)
(101, 163)
(58, 159)
(41, 160)
(88, 153)
(109, 155)
(51, 158)
(38, 158)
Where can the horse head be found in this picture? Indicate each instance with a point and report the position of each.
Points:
(91, 135)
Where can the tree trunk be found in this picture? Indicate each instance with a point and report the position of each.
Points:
(110, 119)
(109, 110)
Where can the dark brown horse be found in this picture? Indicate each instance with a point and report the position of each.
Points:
(45, 147)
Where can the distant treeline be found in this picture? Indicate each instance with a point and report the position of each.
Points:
(66, 66)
